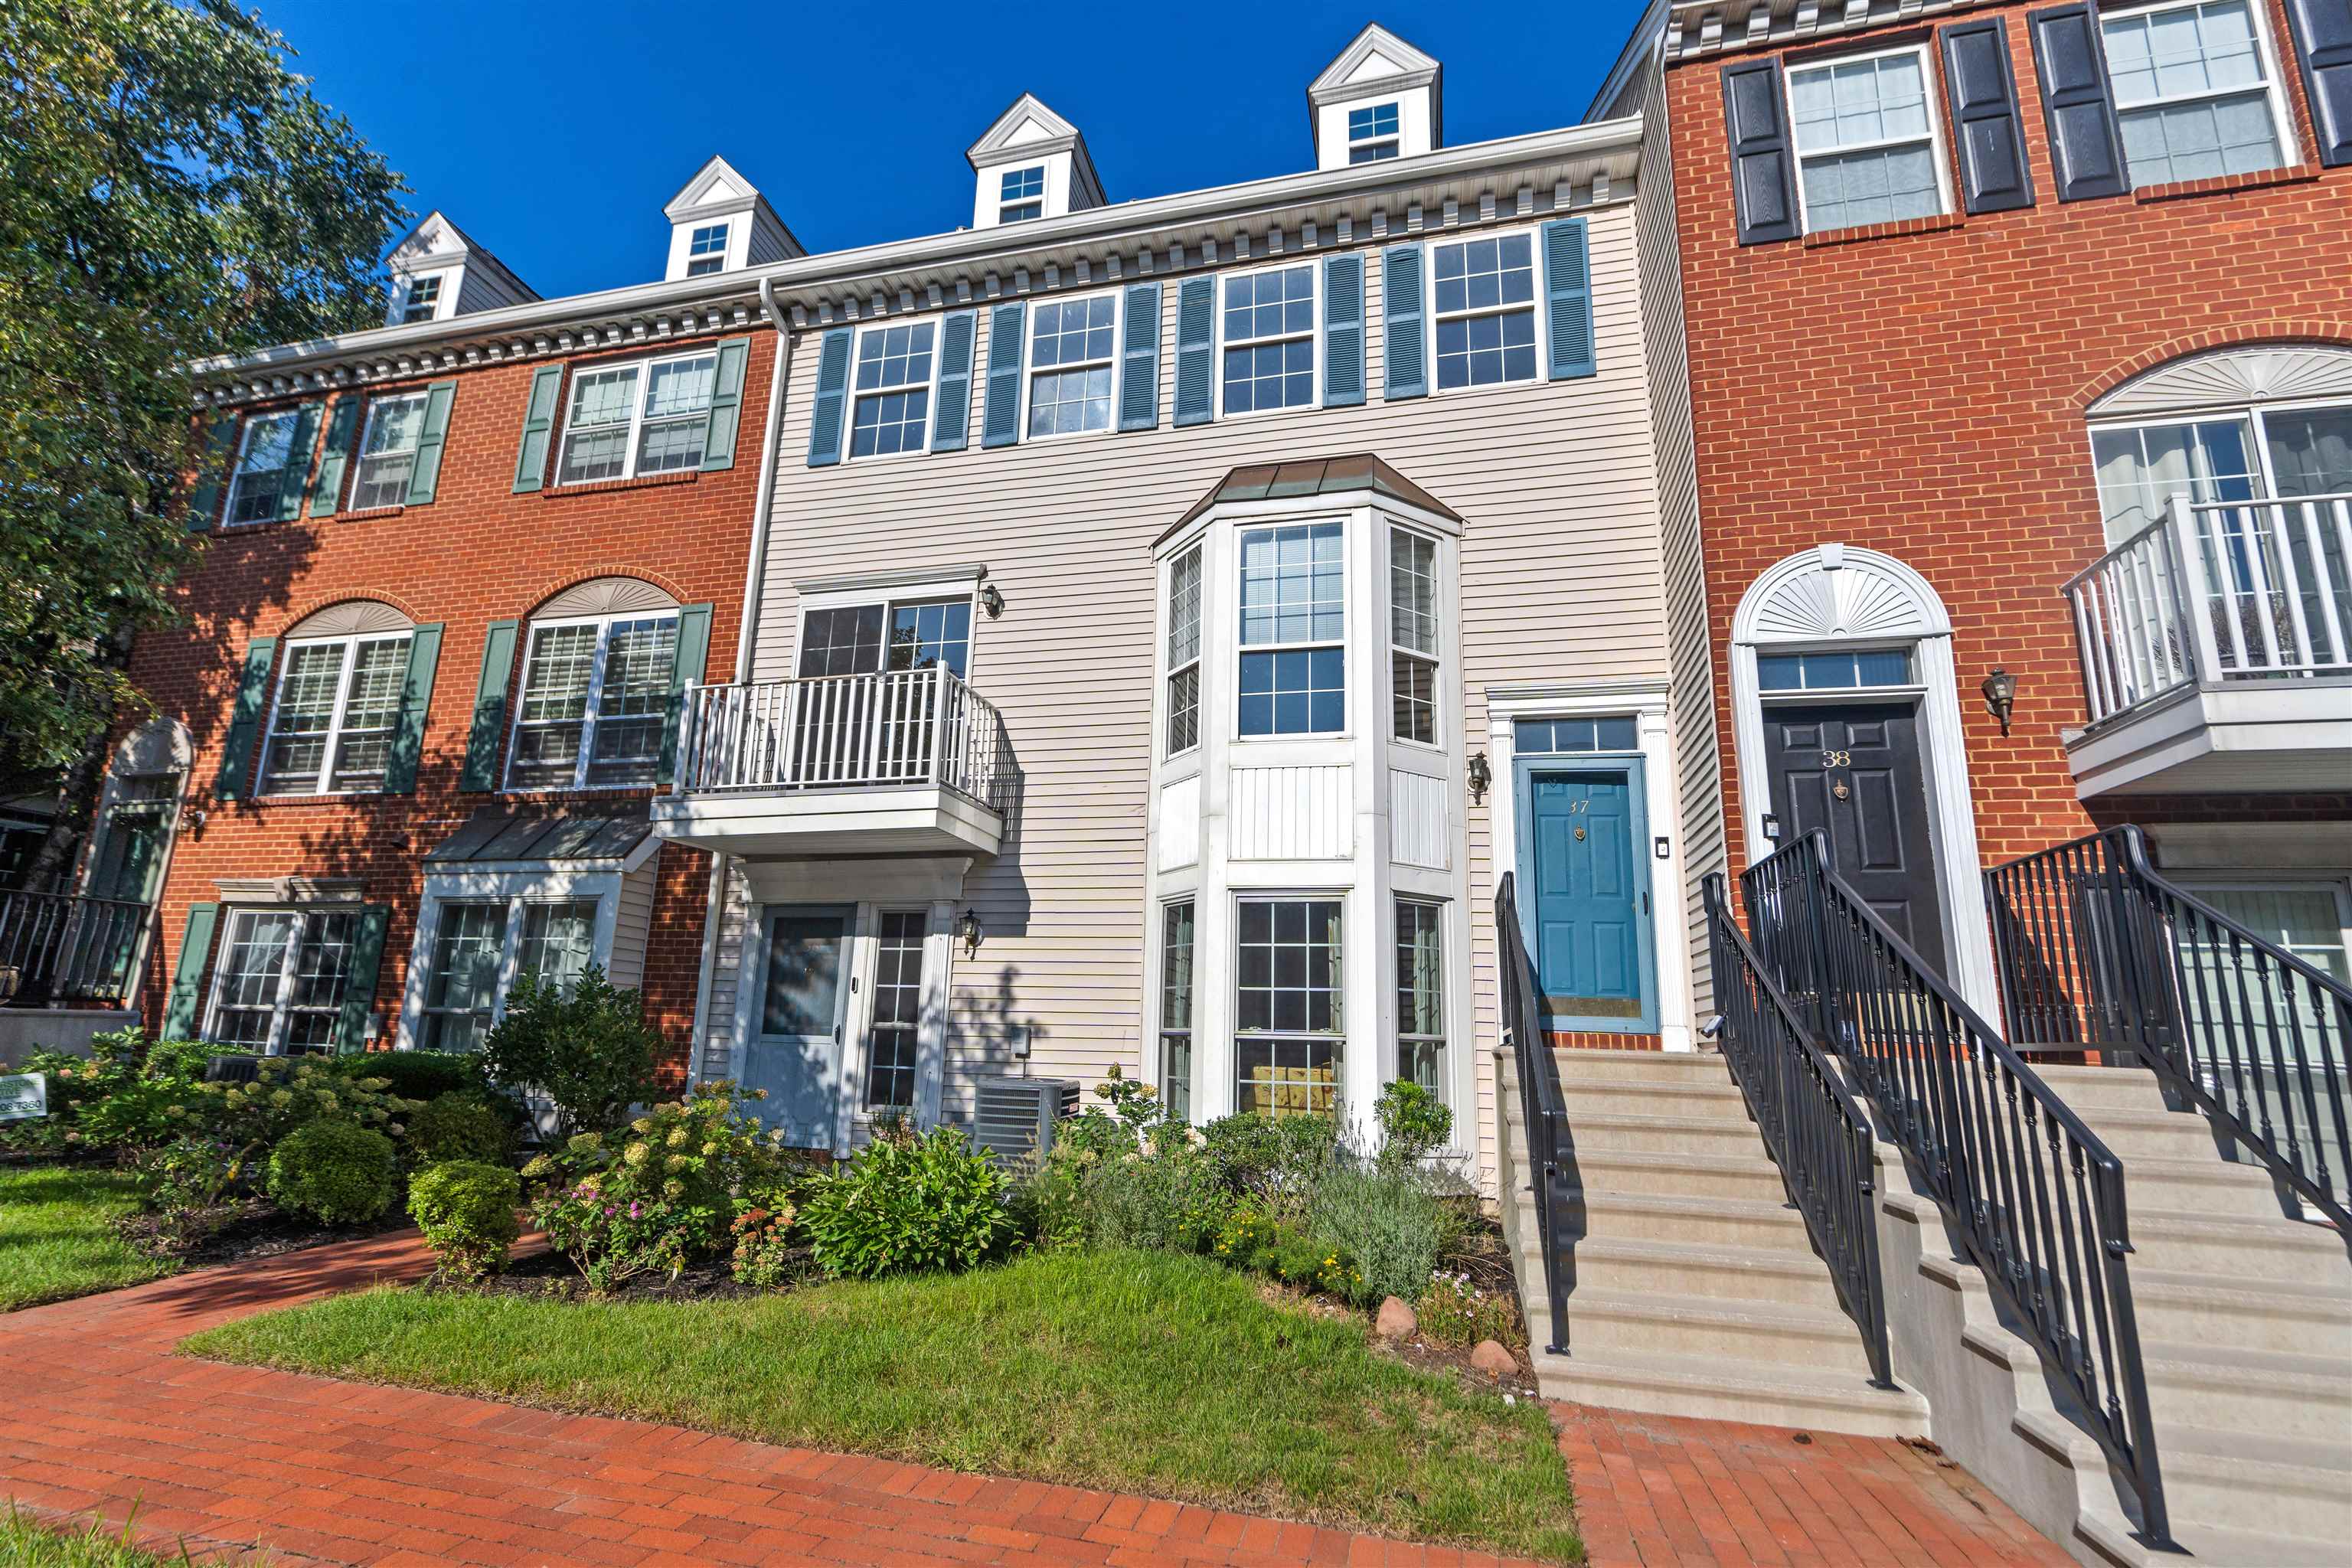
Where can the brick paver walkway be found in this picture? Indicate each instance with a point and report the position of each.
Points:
(102, 1417)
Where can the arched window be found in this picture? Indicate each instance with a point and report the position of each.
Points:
(597, 684)
(339, 700)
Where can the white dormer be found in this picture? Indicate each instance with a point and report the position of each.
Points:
(1379, 99)
(1031, 163)
(719, 223)
(438, 272)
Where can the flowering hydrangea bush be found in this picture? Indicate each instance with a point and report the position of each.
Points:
(120, 1096)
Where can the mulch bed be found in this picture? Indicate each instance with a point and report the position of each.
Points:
(547, 1276)
(243, 1230)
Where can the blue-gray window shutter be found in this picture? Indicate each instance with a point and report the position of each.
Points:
(425, 479)
(1993, 174)
(416, 698)
(2322, 42)
(1138, 359)
(327, 488)
(538, 427)
(1567, 298)
(1001, 423)
(2086, 150)
(1343, 330)
(245, 718)
(292, 481)
(1763, 172)
(1196, 352)
(693, 652)
(1401, 314)
(362, 966)
(726, 404)
(186, 998)
(832, 392)
(203, 503)
(952, 422)
(490, 708)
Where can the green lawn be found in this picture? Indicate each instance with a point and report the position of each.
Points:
(1133, 1372)
(57, 1234)
(25, 1544)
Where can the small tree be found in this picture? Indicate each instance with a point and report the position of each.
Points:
(586, 1046)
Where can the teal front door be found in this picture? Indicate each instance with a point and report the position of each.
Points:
(1587, 905)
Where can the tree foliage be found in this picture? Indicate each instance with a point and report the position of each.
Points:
(169, 190)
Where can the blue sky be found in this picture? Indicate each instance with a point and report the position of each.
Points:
(554, 132)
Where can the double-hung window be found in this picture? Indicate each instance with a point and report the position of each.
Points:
(481, 945)
(894, 389)
(891, 1060)
(1372, 134)
(2195, 96)
(706, 250)
(1485, 318)
(1294, 618)
(1184, 652)
(281, 978)
(422, 299)
(1865, 140)
(1070, 353)
(266, 464)
(1412, 636)
(1421, 994)
(388, 450)
(1021, 195)
(338, 706)
(628, 420)
(595, 700)
(1269, 323)
(1176, 1010)
(1288, 1034)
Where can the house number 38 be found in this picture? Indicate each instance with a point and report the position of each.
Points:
(1837, 759)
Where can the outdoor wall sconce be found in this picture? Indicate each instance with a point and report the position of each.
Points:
(1481, 776)
(990, 600)
(1665, 852)
(2000, 690)
(968, 931)
(1771, 828)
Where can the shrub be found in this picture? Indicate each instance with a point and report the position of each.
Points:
(419, 1075)
(467, 1210)
(1454, 1311)
(763, 1246)
(907, 1204)
(120, 1097)
(586, 1047)
(1413, 1122)
(460, 1125)
(287, 1093)
(1168, 1199)
(1255, 1241)
(1275, 1159)
(1383, 1218)
(334, 1171)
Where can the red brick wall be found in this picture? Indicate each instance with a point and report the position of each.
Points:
(1921, 391)
(478, 553)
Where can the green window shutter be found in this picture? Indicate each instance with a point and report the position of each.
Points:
(490, 708)
(1000, 424)
(290, 487)
(832, 390)
(538, 427)
(327, 488)
(245, 718)
(220, 443)
(726, 404)
(693, 653)
(1138, 359)
(1343, 330)
(1567, 298)
(416, 697)
(1196, 352)
(425, 479)
(365, 962)
(187, 994)
(1400, 311)
(952, 422)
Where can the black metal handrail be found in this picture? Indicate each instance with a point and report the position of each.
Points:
(62, 947)
(2097, 951)
(1811, 1127)
(2032, 1195)
(1549, 1145)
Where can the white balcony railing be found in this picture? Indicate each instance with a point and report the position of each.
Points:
(900, 727)
(2216, 592)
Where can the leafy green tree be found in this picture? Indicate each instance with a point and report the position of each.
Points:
(169, 190)
(584, 1047)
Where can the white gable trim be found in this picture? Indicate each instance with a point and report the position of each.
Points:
(1375, 59)
(2231, 378)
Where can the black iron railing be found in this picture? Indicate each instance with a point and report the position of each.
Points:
(2034, 1198)
(1811, 1127)
(60, 947)
(1550, 1150)
(2097, 952)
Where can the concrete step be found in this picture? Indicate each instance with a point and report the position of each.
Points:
(2299, 1488)
(1687, 1219)
(2267, 1314)
(2087, 1089)
(2247, 1248)
(1622, 1267)
(1723, 1389)
(1665, 1134)
(2136, 1132)
(2101, 1539)
(1663, 1069)
(1714, 1102)
(1749, 1177)
(1651, 1324)
(2227, 1386)
(2199, 1186)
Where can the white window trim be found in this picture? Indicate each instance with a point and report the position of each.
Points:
(1349, 1038)
(1440, 720)
(965, 589)
(1930, 87)
(1378, 139)
(253, 425)
(1030, 372)
(1314, 336)
(408, 287)
(724, 230)
(2282, 123)
(1005, 205)
(517, 890)
(1393, 1022)
(645, 369)
(281, 1010)
(1235, 648)
(930, 406)
(376, 408)
(1430, 317)
(2253, 413)
(1169, 670)
(334, 733)
(590, 719)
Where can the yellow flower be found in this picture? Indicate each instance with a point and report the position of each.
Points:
(676, 1138)
(642, 1124)
(637, 1153)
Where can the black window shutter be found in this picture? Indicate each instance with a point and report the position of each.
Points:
(2323, 41)
(2085, 150)
(1763, 176)
(1984, 117)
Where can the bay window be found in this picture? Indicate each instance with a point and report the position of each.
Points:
(1289, 1034)
(1293, 630)
(339, 701)
(1184, 652)
(1412, 636)
(595, 702)
(480, 946)
(1421, 994)
(629, 420)
(1176, 1010)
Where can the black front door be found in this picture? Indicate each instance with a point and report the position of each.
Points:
(1853, 770)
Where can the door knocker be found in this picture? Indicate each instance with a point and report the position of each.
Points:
(1579, 836)
(1839, 789)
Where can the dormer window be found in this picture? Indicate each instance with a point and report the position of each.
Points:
(423, 301)
(1023, 195)
(706, 252)
(1372, 134)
